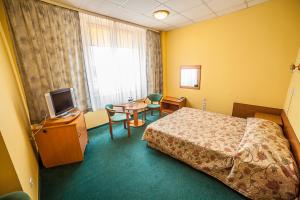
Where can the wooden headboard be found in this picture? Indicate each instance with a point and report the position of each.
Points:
(246, 110)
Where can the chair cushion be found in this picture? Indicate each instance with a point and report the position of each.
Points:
(118, 117)
(153, 106)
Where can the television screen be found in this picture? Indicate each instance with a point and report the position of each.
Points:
(62, 100)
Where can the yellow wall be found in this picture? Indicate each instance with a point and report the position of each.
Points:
(292, 103)
(14, 123)
(245, 56)
(11, 49)
(9, 181)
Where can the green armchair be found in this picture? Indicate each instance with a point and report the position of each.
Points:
(15, 196)
(155, 102)
(117, 117)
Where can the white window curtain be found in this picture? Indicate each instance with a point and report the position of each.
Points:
(115, 60)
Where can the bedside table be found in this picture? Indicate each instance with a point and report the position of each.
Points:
(171, 104)
(274, 118)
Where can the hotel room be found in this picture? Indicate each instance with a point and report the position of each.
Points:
(149, 99)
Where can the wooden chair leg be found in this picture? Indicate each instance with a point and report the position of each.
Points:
(124, 124)
(111, 131)
(128, 127)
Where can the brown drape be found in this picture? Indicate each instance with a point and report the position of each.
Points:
(154, 62)
(49, 52)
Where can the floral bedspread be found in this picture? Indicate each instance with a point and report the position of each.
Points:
(234, 150)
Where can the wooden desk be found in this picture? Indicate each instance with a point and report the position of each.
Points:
(62, 141)
(274, 118)
(171, 104)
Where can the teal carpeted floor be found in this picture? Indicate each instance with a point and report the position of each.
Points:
(125, 168)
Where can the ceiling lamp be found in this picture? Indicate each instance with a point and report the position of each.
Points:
(161, 14)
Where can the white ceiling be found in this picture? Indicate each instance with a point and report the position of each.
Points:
(182, 12)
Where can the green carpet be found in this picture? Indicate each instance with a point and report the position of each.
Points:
(125, 168)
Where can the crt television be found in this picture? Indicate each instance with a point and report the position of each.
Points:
(60, 102)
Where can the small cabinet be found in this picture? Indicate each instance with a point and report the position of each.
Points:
(62, 141)
(171, 104)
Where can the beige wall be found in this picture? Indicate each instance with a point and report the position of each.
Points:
(97, 118)
(292, 103)
(245, 56)
(14, 122)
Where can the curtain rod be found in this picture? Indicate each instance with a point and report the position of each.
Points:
(95, 14)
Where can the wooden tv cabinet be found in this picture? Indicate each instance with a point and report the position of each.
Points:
(62, 141)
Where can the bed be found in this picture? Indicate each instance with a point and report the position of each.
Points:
(249, 155)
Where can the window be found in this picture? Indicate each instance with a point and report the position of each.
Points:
(115, 56)
(190, 77)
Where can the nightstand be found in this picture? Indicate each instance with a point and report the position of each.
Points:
(171, 104)
(274, 118)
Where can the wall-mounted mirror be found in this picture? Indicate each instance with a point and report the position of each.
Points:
(190, 76)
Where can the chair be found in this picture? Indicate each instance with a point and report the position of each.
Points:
(155, 102)
(117, 117)
(15, 195)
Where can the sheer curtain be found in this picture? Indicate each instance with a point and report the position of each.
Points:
(115, 60)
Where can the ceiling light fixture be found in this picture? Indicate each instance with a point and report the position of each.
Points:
(161, 14)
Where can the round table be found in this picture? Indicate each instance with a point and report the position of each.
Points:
(135, 108)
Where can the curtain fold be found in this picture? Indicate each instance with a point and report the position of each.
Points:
(115, 60)
(154, 63)
(48, 45)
